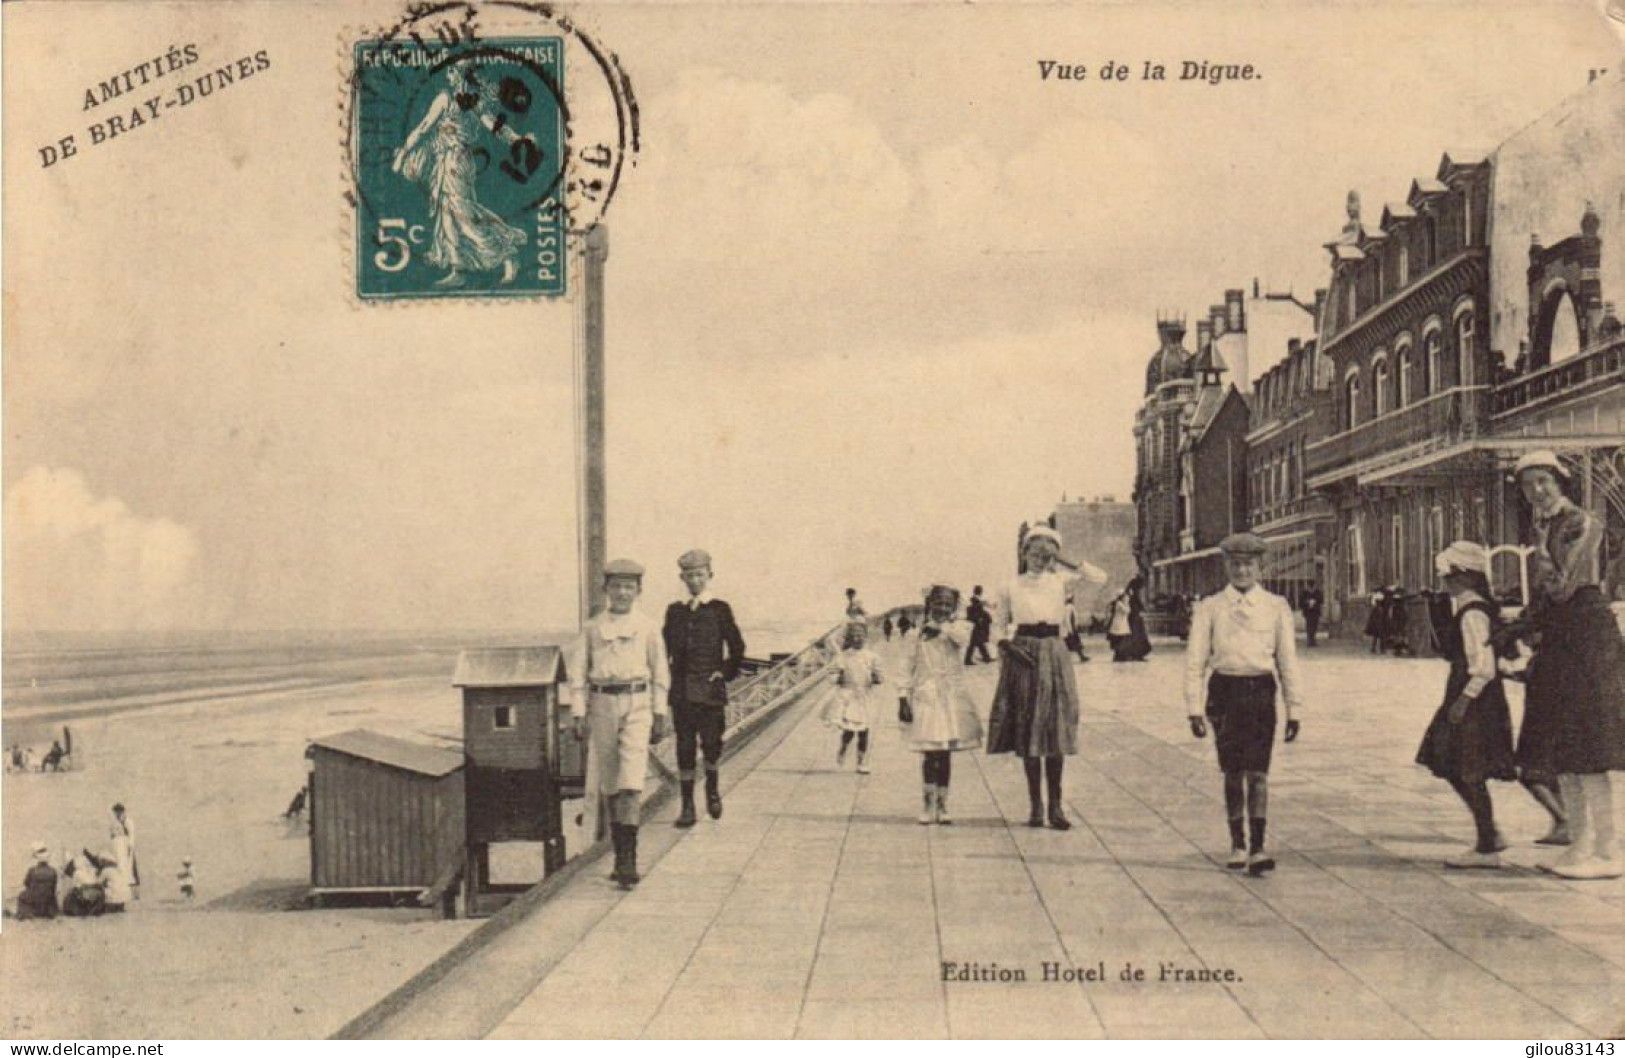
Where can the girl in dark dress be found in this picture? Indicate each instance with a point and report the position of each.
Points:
(1469, 741)
(1574, 708)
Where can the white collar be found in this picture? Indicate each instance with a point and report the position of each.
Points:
(619, 625)
(1242, 598)
(696, 601)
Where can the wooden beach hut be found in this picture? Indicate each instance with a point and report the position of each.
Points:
(519, 758)
(386, 815)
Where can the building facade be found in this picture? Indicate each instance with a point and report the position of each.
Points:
(1100, 531)
(1191, 468)
(1291, 410)
(1400, 339)
(1456, 336)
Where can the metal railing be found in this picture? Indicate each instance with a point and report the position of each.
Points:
(1599, 364)
(1439, 420)
(786, 677)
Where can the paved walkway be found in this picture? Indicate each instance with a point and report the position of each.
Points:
(820, 908)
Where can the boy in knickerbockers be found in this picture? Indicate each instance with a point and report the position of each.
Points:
(618, 679)
(705, 647)
(1241, 640)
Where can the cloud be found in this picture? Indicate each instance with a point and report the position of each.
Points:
(744, 170)
(78, 561)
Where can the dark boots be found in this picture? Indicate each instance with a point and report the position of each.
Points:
(686, 817)
(713, 794)
(625, 838)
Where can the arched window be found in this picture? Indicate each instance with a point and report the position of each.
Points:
(1565, 331)
(1351, 399)
(1467, 217)
(1404, 377)
(1404, 264)
(1466, 344)
(1430, 381)
(1379, 383)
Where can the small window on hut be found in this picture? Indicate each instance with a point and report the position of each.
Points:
(502, 717)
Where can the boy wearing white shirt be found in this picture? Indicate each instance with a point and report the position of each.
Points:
(618, 682)
(1241, 641)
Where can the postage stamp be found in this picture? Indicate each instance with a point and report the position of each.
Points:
(459, 162)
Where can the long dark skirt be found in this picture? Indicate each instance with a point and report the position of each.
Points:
(1477, 749)
(1134, 646)
(1035, 710)
(1574, 705)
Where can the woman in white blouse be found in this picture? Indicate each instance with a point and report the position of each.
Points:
(1035, 710)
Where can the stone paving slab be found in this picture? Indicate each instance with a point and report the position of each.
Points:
(818, 908)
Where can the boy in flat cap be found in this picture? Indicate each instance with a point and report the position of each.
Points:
(1241, 641)
(618, 680)
(705, 647)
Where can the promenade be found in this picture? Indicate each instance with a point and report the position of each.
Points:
(819, 908)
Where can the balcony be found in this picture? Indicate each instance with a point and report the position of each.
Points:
(1437, 422)
(1270, 516)
(1597, 368)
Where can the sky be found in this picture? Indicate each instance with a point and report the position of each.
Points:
(876, 294)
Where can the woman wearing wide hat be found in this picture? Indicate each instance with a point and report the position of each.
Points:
(1035, 709)
(1574, 707)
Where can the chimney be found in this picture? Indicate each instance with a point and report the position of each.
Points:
(1235, 310)
(1204, 334)
(1215, 315)
(1320, 306)
(1292, 346)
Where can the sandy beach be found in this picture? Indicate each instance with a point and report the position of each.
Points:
(205, 758)
(209, 779)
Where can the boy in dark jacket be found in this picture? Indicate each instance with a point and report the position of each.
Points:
(705, 648)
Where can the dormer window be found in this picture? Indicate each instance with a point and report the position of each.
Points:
(1404, 265)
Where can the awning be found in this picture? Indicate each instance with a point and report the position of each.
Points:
(1206, 552)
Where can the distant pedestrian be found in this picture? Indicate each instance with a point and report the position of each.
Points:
(903, 625)
(296, 807)
(939, 716)
(1182, 617)
(1312, 602)
(853, 708)
(705, 649)
(1469, 741)
(1376, 627)
(1035, 708)
(854, 608)
(1241, 642)
(886, 627)
(618, 683)
(1574, 708)
(122, 833)
(981, 625)
(187, 880)
(1129, 640)
(53, 757)
(38, 898)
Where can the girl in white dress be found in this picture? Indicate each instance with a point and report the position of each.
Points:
(852, 709)
(1035, 709)
(939, 716)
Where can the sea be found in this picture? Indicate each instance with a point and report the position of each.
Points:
(51, 678)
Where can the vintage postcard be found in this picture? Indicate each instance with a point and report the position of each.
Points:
(823, 520)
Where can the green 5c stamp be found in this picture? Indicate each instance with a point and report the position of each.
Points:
(459, 166)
